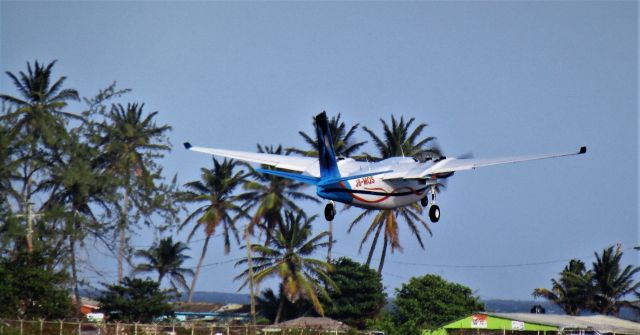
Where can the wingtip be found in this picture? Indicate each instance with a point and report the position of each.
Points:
(583, 150)
(187, 145)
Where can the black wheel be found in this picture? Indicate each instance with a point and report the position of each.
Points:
(434, 213)
(424, 202)
(329, 212)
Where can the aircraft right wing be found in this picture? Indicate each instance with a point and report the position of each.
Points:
(450, 165)
(293, 163)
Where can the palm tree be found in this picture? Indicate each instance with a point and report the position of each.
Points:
(38, 112)
(343, 144)
(218, 206)
(77, 186)
(287, 256)
(572, 291)
(399, 140)
(38, 124)
(129, 141)
(269, 301)
(166, 258)
(611, 282)
(270, 195)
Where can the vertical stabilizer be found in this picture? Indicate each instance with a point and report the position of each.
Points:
(326, 154)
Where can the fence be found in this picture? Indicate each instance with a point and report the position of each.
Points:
(62, 327)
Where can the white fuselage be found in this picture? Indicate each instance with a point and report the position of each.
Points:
(375, 191)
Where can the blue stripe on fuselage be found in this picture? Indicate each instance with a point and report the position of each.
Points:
(327, 193)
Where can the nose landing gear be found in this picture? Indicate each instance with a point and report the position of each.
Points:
(330, 211)
(434, 210)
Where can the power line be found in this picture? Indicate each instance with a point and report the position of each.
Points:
(482, 266)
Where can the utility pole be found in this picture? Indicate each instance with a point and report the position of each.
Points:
(30, 215)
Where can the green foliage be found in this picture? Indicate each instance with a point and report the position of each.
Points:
(135, 300)
(288, 256)
(270, 195)
(31, 288)
(268, 304)
(399, 139)
(572, 291)
(166, 258)
(359, 295)
(611, 282)
(343, 142)
(602, 289)
(383, 322)
(217, 206)
(430, 301)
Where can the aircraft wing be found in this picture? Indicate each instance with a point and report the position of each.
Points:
(450, 165)
(293, 163)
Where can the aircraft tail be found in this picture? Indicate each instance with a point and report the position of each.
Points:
(326, 154)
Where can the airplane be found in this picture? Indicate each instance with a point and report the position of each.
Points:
(390, 183)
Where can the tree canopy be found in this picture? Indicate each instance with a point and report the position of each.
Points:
(430, 301)
(359, 295)
(135, 300)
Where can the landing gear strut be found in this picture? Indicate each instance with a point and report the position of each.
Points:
(434, 210)
(329, 211)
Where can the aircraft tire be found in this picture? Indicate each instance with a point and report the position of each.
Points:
(434, 213)
(424, 202)
(329, 212)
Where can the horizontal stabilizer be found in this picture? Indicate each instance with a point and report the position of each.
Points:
(294, 176)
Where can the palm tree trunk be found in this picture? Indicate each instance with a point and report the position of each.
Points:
(330, 241)
(373, 244)
(122, 233)
(247, 240)
(74, 271)
(280, 308)
(384, 253)
(197, 273)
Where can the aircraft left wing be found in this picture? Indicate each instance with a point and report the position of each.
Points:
(293, 163)
(450, 165)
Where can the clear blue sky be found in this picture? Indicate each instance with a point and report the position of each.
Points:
(492, 78)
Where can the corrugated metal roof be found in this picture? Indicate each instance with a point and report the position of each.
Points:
(313, 323)
(600, 323)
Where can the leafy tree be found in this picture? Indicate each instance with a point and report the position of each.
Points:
(76, 187)
(218, 206)
(430, 301)
(135, 300)
(572, 291)
(360, 295)
(399, 140)
(166, 258)
(38, 128)
(31, 288)
(130, 142)
(287, 255)
(611, 282)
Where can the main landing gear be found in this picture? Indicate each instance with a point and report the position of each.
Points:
(330, 211)
(434, 210)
